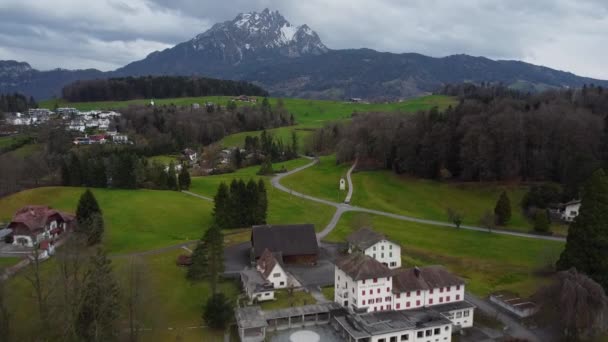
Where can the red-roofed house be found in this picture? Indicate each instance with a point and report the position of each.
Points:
(34, 224)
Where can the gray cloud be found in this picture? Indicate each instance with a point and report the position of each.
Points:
(562, 34)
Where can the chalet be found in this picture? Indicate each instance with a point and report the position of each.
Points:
(569, 211)
(97, 139)
(376, 245)
(271, 270)
(34, 224)
(296, 244)
(256, 287)
(190, 155)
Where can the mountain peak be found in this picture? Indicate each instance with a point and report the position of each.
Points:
(258, 35)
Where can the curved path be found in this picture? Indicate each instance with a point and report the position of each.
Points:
(341, 208)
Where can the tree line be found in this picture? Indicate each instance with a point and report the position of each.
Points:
(16, 102)
(120, 167)
(493, 133)
(240, 204)
(151, 87)
(167, 128)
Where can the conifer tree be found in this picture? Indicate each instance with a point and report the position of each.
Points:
(200, 262)
(171, 179)
(222, 206)
(541, 221)
(214, 241)
(262, 203)
(503, 209)
(184, 178)
(87, 206)
(587, 242)
(97, 319)
(218, 311)
(252, 203)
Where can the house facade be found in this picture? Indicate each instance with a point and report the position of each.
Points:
(271, 270)
(32, 225)
(376, 245)
(570, 210)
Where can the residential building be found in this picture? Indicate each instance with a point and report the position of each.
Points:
(32, 225)
(255, 286)
(271, 270)
(520, 307)
(570, 210)
(269, 275)
(296, 244)
(67, 111)
(120, 139)
(376, 245)
(190, 155)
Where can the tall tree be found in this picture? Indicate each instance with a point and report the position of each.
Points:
(100, 309)
(503, 209)
(200, 261)
(262, 203)
(252, 197)
(218, 311)
(5, 315)
(221, 206)
(171, 177)
(135, 296)
(42, 288)
(587, 241)
(541, 221)
(87, 206)
(214, 241)
(184, 178)
(575, 303)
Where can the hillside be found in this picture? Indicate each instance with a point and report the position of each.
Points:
(292, 61)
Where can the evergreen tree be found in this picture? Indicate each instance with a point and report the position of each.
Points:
(221, 209)
(503, 209)
(541, 221)
(171, 179)
(243, 207)
(294, 144)
(74, 170)
(218, 311)
(87, 206)
(214, 241)
(233, 206)
(266, 168)
(587, 242)
(200, 262)
(184, 178)
(89, 218)
(97, 319)
(238, 158)
(252, 203)
(94, 228)
(262, 203)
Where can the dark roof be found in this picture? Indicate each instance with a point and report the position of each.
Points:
(423, 278)
(266, 263)
(299, 239)
(360, 266)
(35, 217)
(365, 238)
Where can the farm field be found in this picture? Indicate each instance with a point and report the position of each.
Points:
(172, 309)
(282, 207)
(136, 220)
(387, 191)
(488, 262)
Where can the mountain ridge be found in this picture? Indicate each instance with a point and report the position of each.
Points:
(289, 60)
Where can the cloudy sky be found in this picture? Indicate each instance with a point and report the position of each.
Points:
(570, 35)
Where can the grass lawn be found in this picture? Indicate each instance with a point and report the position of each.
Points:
(282, 300)
(136, 220)
(488, 262)
(328, 292)
(7, 262)
(283, 208)
(282, 133)
(25, 150)
(172, 305)
(11, 140)
(321, 180)
(164, 159)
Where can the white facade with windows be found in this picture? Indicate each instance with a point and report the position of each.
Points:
(368, 295)
(571, 211)
(387, 252)
(278, 277)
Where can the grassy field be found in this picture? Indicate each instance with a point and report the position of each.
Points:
(282, 207)
(282, 300)
(488, 262)
(164, 159)
(387, 191)
(171, 310)
(282, 133)
(136, 220)
(328, 292)
(8, 262)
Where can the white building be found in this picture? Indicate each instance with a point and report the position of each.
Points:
(271, 270)
(120, 139)
(268, 276)
(376, 245)
(570, 210)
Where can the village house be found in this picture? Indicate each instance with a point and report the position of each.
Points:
(67, 111)
(190, 155)
(269, 275)
(376, 245)
(570, 210)
(271, 270)
(295, 244)
(32, 225)
(120, 139)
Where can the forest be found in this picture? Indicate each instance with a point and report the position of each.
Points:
(10, 103)
(151, 87)
(493, 134)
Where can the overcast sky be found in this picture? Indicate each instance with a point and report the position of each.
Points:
(570, 35)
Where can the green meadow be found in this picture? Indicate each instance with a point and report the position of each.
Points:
(488, 262)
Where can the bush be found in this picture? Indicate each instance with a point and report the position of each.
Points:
(218, 311)
(541, 221)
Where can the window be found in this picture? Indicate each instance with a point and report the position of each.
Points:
(387, 299)
(447, 299)
(338, 277)
(447, 328)
(378, 300)
(417, 303)
(363, 281)
(447, 289)
(363, 302)
(457, 297)
(377, 290)
(437, 331)
(398, 306)
(353, 289)
(420, 334)
(374, 248)
(390, 246)
(390, 254)
(458, 314)
(393, 264)
(418, 293)
(382, 255)
(407, 294)
(440, 299)
(465, 313)
(376, 309)
(405, 337)
(393, 338)
(407, 304)
(441, 290)
(388, 289)
(382, 247)
(457, 287)
(371, 292)
(276, 275)
(375, 280)
(282, 283)
(382, 340)
(398, 295)
(430, 300)
(431, 292)
(363, 293)
(374, 256)
(428, 332)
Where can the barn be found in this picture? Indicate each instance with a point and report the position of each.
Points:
(296, 244)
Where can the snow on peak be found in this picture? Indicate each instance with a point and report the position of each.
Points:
(287, 33)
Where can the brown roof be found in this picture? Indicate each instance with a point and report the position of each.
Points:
(423, 278)
(360, 266)
(298, 239)
(365, 238)
(266, 263)
(35, 217)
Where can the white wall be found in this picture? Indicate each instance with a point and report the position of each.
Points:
(444, 295)
(361, 292)
(441, 333)
(263, 296)
(463, 318)
(278, 277)
(571, 212)
(386, 252)
(416, 299)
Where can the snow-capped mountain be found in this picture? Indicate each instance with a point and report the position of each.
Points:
(253, 34)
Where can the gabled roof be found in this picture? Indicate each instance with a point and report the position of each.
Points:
(267, 262)
(359, 266)
(35, 217)
(365, 238)
(424, 278)
(299, 239)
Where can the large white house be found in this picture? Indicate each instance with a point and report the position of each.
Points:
(268, 276)
(570, 210)
(271, 270)
(376, 245)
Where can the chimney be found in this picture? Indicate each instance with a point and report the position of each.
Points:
(417, 271)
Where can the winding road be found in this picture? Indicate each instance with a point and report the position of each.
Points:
(341, 208)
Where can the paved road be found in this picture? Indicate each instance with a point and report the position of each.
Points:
(349, 196)
(341, 208)
(197, 195)
(515, 329)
